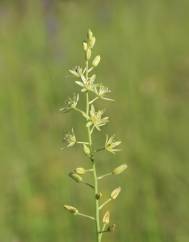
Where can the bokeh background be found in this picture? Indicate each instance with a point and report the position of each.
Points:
(144, 46)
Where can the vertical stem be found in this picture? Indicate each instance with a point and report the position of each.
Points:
(97, 204)
(97, 215)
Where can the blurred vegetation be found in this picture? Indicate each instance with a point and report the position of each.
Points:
(145, 60)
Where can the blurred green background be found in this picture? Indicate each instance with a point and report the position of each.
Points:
(145, 61)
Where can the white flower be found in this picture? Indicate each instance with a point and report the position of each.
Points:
(87, 85)
(77, 71)
(70, 139)
(111, 144)
(71, 103)
(101, 91)
(96, 118)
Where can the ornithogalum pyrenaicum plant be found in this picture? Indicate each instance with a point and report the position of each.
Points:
(94, 119)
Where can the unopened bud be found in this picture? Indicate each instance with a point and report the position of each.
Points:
(75, 177)
(71, 209)
(115, 193)
(86, 150)
(118, 170)
(89, 34)
(88, 54)
(92, 42)
(85, 47)
(96, 61)
(106, 218)
(80, 170)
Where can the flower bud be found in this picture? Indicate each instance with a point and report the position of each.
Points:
(88, 54)
(75, 177)
(80, 170)
(71, 209)
(118, 170)
(89, 34)
(92, 42)
(86, 150)
(106, 218)
(115, 193)
(85, 47)
(96, 61)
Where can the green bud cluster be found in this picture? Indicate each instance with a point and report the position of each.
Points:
(94, 120)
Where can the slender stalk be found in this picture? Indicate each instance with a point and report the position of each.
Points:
(106, 202)
(97, 214)
(86, 216)
(103, 230)
(107, 174)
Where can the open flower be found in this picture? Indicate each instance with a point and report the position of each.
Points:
(111, 144)
(77, 71)
(101, 91)
(87, 84)
(70, 139)
(71, 103)
(96, 118)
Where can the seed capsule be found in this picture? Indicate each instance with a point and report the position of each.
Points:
(80, 170)
(96, 61)
(86, 150)
(75, 177)
(118, 170)
(71, 209)
(111, 228)
(115, 193)
(106, 218)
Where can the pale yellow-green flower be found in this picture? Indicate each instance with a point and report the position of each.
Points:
(96, 118)
(101, 92)
(77, 71)
(87, 84)
(71, 103)
(111, 144)
(70, 139)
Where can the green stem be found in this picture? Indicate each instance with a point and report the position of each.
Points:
(106, 202)
(103, 230)
(97, 204)
(85, 215)
(97, 213)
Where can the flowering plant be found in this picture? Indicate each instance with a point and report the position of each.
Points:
(94, 120)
